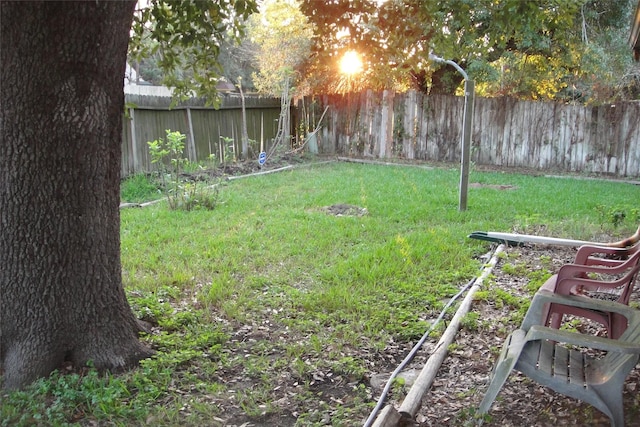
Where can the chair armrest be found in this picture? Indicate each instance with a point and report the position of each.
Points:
(538, 332)
(573, 270)
(564, 285)
(584, 253)
(605, 262)
(543, 297)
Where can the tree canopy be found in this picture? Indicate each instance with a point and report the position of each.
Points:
(186, 38)
(391, 37)
(547, 49)
(569, 50)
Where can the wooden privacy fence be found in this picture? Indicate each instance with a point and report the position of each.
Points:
(148, 117)
(506, 132)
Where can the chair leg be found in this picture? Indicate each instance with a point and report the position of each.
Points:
(617, 412)
(611, 394)
(499, 376)
(617, 325)
(505, 363)
(555, 320)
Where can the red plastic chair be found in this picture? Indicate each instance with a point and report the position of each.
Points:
(587, 276)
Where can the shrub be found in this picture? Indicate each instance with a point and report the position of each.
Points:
(181, 193)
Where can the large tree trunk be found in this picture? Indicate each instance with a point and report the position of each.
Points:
(61, 87)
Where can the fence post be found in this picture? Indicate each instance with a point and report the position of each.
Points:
(134, 142)
(386, 125)
(190, 138)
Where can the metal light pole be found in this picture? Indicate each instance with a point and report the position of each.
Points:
(467, 120)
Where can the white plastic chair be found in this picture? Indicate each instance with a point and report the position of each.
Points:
(541, 353)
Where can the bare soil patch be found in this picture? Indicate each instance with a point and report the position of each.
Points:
(343, 209)
(459, 385)
(493, 186)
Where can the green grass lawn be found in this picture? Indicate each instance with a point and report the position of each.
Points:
(269, 297)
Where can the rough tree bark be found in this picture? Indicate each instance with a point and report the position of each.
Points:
(61, 87)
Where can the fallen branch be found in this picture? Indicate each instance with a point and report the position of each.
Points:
(423, 383)
(315, 131)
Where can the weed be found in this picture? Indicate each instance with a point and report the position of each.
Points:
(572, 325)
(453, 347)
(519, 269)
(482, 295)
(617, 215)
(470, 321)
(254, 403)
(536, 279)
(228, 150)
(527, 223)
(503, 298)
(546, 260)
(64, 398)
(399, 383)
(350, 367)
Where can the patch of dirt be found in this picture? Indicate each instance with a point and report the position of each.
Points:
(342, 209)
(460, 382)
(493, 186)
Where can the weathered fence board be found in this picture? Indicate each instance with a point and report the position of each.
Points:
(506, 132)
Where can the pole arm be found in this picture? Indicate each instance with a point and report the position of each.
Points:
(467, 117)
(436, 58)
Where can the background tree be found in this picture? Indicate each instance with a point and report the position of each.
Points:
(62, 72)
(282, 36)
(606, 71)
(186, 37)
(148, 70)
(237, 60)
(533, 50)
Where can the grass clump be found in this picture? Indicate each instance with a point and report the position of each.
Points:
(140, 188)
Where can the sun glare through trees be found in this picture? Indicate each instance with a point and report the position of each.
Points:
(351, 63)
